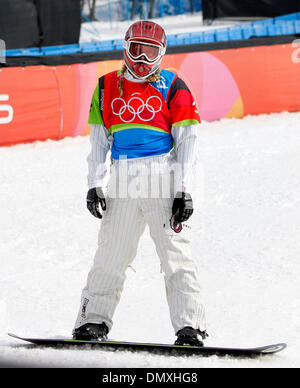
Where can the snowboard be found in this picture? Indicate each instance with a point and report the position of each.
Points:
(157, 348)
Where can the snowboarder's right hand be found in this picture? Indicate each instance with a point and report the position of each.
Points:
(95, 197)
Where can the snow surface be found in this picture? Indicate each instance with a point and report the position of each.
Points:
(104, 30)
(246, 241)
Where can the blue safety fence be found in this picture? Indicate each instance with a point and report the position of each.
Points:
(282, 25)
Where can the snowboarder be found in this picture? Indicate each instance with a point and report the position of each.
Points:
(147, 117)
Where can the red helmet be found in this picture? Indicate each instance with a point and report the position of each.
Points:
(144, 45)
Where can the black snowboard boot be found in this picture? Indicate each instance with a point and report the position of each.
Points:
(91, 332)
(190, 336)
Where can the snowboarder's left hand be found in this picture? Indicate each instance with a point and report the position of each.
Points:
(95, 197)
(182, 208)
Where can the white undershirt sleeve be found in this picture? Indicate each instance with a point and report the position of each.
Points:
(100, 145)
(185, 138)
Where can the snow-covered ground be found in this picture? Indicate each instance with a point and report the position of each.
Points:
(246, 241)
(104, 30)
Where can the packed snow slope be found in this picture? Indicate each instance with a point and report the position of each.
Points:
(105, 30)
(246, 242)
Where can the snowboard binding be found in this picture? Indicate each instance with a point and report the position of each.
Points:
(91, 332)
(189, 336)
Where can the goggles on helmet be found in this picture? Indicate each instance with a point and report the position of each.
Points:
(137, 50)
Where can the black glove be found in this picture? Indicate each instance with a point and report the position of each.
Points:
(182, 207)
(95, 197)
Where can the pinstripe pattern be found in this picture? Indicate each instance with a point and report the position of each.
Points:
(120, 230)
(122, 225)
(185, 141)
(100, 145)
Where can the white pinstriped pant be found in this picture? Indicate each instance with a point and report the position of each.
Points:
(122, 225)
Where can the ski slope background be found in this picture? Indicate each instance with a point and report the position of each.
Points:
(246, 243)
(106, 30)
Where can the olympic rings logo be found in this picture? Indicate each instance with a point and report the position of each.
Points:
(136, 107)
